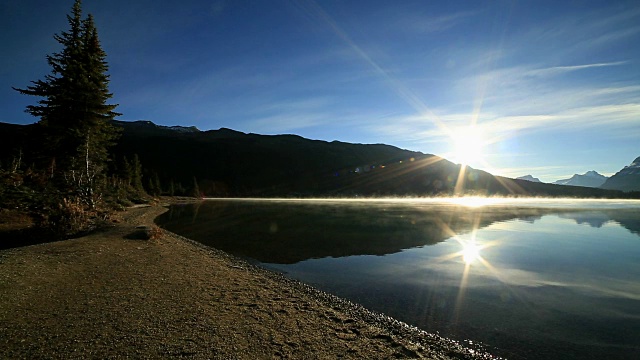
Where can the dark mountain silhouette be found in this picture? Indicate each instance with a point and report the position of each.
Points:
(627, 179)
(230, 163)
(589, 179)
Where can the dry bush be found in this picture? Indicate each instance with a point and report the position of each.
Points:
(155, 233)
(69, 217)
(11, 219)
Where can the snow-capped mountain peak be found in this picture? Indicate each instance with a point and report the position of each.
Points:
(181, 129)
(529, 178)
(589, 179)
(627, 179)
(634, 165)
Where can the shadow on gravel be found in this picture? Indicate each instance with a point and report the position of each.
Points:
(11, 239)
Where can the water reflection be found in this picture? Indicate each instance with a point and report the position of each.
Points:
(290, 232)
(470, 252)
(559, 281)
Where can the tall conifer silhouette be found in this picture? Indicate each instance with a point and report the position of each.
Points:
(75, 119)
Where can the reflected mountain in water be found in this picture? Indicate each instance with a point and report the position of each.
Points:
(287, 232)
(593, 219)
(626, 218)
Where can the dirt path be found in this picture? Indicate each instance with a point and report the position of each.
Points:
(106, 295)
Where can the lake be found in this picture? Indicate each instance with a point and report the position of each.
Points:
(526, 278)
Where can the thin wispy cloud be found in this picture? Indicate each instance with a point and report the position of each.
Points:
(433, 24)
(609, 29)
(610, 37)
(575, 119)
(607, 116)
(564, 69)
(583, 32)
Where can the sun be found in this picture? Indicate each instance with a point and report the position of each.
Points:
(468, 146)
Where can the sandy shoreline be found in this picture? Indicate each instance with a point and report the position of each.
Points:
(110, 295)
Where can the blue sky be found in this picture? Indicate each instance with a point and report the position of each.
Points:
(548, 88)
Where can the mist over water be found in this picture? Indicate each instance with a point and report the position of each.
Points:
(467, 201)
(529, 278)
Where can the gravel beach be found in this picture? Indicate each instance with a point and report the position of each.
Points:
(111, 294)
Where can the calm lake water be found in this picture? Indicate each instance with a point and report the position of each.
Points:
(529, 279)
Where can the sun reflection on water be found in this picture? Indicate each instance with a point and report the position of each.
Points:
(470, 252)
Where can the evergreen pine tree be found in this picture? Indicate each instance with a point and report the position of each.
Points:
(97, 127)
(157, 186)
(180, 189)
(172, 188)
(136, 168)
(151, 188)
(196, 189)
(75, 119)
(126, 172)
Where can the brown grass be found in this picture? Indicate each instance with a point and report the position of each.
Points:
(11, 220)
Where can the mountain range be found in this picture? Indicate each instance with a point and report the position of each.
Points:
(225, 162)
(627, 179)
(589, 179)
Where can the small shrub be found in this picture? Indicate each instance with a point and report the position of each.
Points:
(155, 233)
(12, 219)
(69, 217)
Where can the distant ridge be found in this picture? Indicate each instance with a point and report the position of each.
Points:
(589, 179)
(146, 127)
(529, 178)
